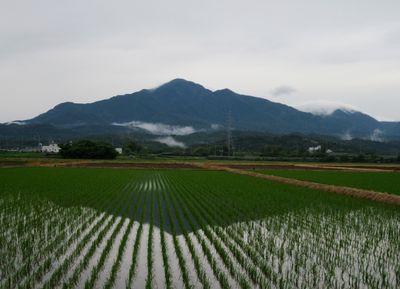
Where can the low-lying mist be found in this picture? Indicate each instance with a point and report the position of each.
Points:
(159, 128)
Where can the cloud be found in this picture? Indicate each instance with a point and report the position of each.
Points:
(216, 126)
(377, 135)
(346, 136)
(170, 141)
(15, 122)
(283, 90)
(159, 128)
(331, 49)
(323, 107)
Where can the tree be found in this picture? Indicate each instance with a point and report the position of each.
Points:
(86, 149)
(131, 148)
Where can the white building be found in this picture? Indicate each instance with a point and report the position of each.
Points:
(312, 150)
(118, 150)
(52, 148)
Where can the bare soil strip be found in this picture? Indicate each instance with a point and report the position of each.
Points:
(315, 167)
(186, 165)
(359, 193)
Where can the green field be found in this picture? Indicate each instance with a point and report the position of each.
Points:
(376, 181)
(118, 228)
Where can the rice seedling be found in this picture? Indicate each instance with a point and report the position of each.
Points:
(74, 228)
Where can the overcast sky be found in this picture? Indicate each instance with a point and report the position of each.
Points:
(303, 53)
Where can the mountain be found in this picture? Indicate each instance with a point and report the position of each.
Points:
(181, 103)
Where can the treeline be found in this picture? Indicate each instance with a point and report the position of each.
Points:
(282, 148)
(296, 147)
(88, 149)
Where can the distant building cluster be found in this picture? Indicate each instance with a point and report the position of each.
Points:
(52, 148)
(318, 149)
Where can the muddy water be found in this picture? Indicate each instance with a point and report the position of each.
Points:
(194, 280)
(126, 261)
(84, 251)
(237, 266)
(204, 263)
(68, 252)
(139, 280)
(220, 264)
(85, 275)
(173, 263)
(106, 272)
(158, 266)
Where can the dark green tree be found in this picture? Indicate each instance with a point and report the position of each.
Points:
(86, 149)
(132, 148)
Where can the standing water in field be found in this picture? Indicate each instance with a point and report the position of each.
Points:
(188, 229)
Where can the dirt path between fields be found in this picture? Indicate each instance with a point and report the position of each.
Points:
(314, 167)
(115, 165)
(359, 193)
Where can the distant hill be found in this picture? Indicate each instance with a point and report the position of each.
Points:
(181, 103)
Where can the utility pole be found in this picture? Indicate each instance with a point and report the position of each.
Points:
(229, 142)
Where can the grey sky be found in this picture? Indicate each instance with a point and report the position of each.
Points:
(344, 52)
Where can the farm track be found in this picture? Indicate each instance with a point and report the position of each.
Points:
(193, 165)
(358, 193)
(313, 167)
(99, 164)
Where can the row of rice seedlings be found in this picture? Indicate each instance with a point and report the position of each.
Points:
(239, 250)
(252, 271)
(158, 268)
(107, 238)
(219, 274)
(345, 253)
(178, 250)
(217, 267)
(61, 221)
(218, 244)
(82, 263)
(121, 249)
(164, 249)
(42, 261)
(195, 258)
(252, 254)
(43, 243)
(68, 261)
(113, 241)
(25, 241)
(56, 248)
(13, 245)
(18, 222)
(150, 241)
(21, 206)
(37, 199)
(90, 283)
(34, 269)
(235, 240)
(81, 244)
(258, 271)
(250, 251)
(137, 244)
(172, 263)
(96, 232)
(323, 246)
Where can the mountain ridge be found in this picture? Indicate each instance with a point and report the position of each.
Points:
(185, 103)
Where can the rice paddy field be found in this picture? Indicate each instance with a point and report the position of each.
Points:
(123, 228)
(387, 182)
